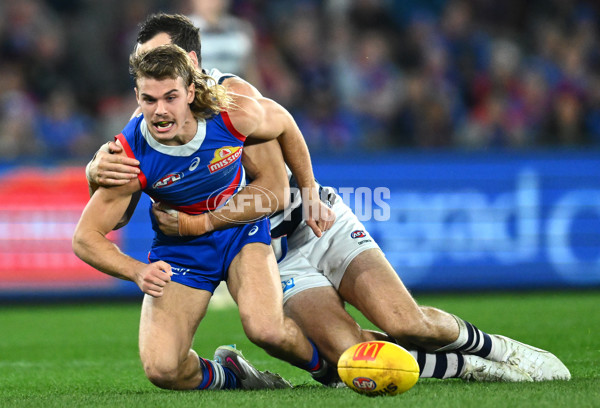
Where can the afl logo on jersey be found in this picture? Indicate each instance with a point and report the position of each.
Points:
(224, 157)
(358, 234)
(167, 180)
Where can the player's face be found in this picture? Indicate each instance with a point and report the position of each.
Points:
(166, 109)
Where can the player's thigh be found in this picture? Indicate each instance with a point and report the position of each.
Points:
(321, 315)
(347, 239)
(168, 323)
(253, 281)
(373, 287)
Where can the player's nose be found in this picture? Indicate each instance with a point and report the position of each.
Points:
(161, 108)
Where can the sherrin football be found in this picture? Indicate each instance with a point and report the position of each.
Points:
(378, 368)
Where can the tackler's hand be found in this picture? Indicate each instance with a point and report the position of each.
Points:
(111, 167)
(167, 219)
(318, 214)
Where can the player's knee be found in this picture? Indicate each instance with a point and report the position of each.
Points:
(414, 329)
(162, 374)
(269, 339)
(332, 344)
(266, 336)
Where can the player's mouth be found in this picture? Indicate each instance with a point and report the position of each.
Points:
(163, 126)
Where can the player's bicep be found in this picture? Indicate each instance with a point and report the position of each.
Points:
(106, 208)
(258, 118)
(272, 120)
(135, 198)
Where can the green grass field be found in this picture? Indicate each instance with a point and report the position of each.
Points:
(85, 355)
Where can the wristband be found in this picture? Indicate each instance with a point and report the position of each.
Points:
(194, 224)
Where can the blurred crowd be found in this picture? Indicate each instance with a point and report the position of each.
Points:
(356, 74)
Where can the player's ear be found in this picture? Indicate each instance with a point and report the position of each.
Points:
(137, 95)
(194, 58)
(191, 93)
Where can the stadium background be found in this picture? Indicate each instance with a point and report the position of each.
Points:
(481, 117)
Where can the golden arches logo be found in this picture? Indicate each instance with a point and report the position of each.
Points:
(367, 351)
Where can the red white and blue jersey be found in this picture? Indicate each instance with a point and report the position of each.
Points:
(193, 178)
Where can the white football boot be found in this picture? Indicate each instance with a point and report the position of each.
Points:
(540, 364)
(480, 369)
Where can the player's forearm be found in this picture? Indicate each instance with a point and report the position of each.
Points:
(99, 252)
(99, 217)
(297, 157)
(279, 124)
(250, 204)
(265, 195)
(253, 202)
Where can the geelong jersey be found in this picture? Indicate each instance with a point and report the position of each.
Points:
(228, 45)
(193, 178)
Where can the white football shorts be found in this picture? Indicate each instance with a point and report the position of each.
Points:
(313, 262)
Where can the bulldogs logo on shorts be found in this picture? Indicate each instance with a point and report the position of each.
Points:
(358, 234)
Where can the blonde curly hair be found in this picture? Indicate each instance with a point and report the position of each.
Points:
(172, 61)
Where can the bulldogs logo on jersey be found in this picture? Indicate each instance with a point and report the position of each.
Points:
(358, 234)
(167, 180)
(224, 156)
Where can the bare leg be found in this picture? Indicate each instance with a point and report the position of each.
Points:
(373, 287)
(254, 284)
(371, 284)
(167, 328)
(321, 315)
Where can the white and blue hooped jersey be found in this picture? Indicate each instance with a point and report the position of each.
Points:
(194, 178)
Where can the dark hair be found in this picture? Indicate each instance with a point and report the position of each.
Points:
(180, 28)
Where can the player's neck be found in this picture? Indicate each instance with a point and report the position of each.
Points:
(183, 134)
(188, 131)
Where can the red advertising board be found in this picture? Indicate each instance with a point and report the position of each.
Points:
(39, 209)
